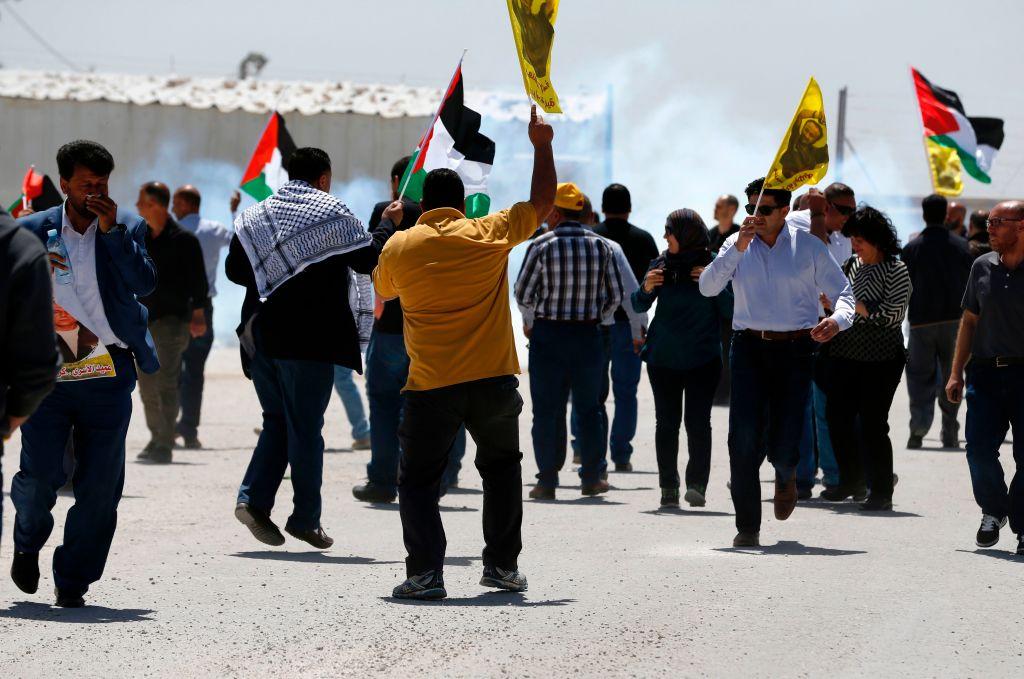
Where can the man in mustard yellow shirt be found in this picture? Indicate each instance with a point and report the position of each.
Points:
(451, 276)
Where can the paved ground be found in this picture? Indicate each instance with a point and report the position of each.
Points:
(617, 588)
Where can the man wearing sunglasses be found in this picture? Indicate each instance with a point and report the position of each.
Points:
(778, 272)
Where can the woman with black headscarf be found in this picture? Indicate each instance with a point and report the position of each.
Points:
(683, 353)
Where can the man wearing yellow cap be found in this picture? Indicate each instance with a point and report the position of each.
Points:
(570, 282)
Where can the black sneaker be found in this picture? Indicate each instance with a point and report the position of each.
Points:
(950, 439)
(877, 504)
(915, 442)
(372, 492)
(25, 571)
(841, 493)
(746, 539)
(988, 533)
(259, 524)
(66, 599)
(669, 497)
(623, 466)
(512, 581)
(147, 451)
(428, 585)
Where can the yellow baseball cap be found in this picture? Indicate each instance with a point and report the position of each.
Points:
(569, 197)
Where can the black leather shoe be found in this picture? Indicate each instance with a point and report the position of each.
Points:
(318, 538)
(25, 572)
(915, 442)
(623, 466)
(877, 504)
(372, 492)
(189, 443)
(259, 524)
(746, 539)
(69, 599)
(157, 455)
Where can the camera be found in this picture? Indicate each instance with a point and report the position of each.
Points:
(675, 273)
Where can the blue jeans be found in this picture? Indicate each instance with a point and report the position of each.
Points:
(387, 370)
(95, 413)
(771, 390)
(294, 396)
(625, 377)
(822, 439)
(574, 424)
(807, 467)
(995, 402)
(566, 358)
(352, 401)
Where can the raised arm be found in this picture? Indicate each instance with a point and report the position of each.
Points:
(542, 188)
(720, 271)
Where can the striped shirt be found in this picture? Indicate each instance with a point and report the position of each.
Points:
(570, 274)
(884, 289)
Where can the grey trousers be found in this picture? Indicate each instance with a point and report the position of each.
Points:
(159, 391)
(931, 350)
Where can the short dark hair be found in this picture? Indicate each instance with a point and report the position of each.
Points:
(875, 227)
(616, 200)
(979, 220)
(588, 207)
(443, 188)
(571, 215)
(398, 169)
(732, 200)
(308, 164)
(838, 190)
(933, 208)
(191, 194)
(158, 191)
(88, 154)
(781, 196)
(796, 201)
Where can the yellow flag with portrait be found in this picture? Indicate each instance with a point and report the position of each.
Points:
(803, 155)
(533, 27)
(947, 170)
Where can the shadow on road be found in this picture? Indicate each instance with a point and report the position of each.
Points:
(790, 548)
(312, 557)
(995, 554)
(464, 491)
(393, 507)
(89, 615)
(516, 599)
(592, 501)
(460, 560)
(679, 511)
(853, 508)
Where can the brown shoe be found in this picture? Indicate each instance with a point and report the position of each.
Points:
(539, 492)
(743, 539)
(785, 498)
(601, 486)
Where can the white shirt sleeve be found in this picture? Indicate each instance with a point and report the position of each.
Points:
(831, 280)
(722, 268)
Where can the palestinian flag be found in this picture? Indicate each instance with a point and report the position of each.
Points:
(37, 192)
(266, 172)
(454, 141)
(975, 140)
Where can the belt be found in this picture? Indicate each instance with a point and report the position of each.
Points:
(552, 320)
(997, 361)
(773, 336)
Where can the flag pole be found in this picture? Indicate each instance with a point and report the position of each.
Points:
(24, 196)
(433, 121)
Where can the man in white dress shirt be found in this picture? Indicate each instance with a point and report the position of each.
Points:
(778, 273)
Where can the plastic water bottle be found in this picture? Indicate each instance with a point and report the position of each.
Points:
(55, 244)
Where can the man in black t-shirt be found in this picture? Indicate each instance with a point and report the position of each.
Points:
(387, 369)
(992, 336)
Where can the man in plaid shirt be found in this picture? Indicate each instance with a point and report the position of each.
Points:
(569, 283)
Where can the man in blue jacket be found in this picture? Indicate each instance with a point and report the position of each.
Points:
(96, 314)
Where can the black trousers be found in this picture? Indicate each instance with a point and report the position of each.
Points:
(864, 390)
(668, 386)
(490, 410)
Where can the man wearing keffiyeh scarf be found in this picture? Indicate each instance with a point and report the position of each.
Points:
(300, 255)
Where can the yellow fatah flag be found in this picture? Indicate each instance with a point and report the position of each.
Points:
(947, 171)
(533, 27)
(803, 155)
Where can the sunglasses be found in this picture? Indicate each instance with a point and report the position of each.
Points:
(844, 210)
(762, 210)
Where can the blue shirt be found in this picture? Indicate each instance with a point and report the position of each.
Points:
(776, 288)
(212, 237)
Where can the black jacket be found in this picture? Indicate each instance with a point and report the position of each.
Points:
(307, 318)
(638, 246)
(939, 263)
(181, 284)
(30, 360)
(391, 319)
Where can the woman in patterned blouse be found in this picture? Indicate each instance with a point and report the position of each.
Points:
(867, 362)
